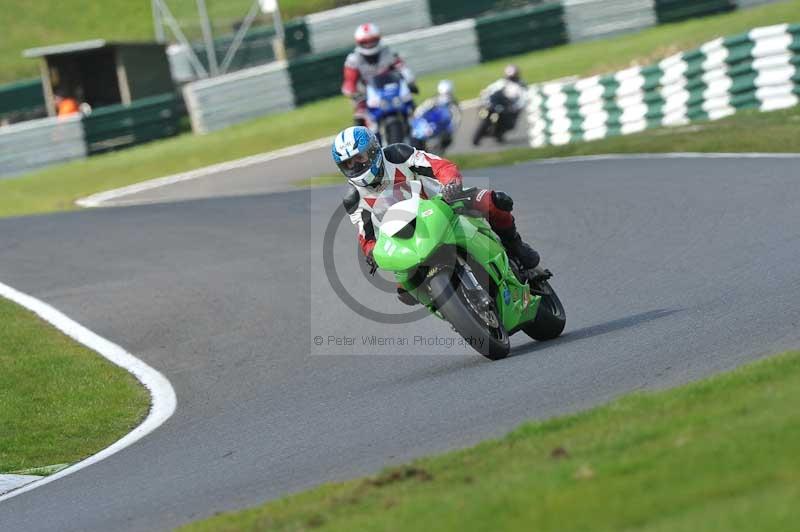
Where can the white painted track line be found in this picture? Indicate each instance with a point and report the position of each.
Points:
(163, 395)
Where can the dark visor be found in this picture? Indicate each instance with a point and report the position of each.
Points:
(355, 166)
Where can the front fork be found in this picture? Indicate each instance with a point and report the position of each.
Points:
(473, 288)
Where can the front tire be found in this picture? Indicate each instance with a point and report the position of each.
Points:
(395, 132)
(550, 319)
(483, 128)
(451, 302)
(419, 144)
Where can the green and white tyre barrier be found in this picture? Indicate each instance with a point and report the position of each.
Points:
(333, 29)
(223, 101)
(756, 70)
(34, 144)
(439, 48)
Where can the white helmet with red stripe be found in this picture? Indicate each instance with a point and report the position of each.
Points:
(368, 39)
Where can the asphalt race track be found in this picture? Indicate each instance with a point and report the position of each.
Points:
(670, 270)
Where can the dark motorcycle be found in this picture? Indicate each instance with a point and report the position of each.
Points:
(497, 118)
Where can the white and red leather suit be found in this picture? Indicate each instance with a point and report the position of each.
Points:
(360, 70)
(405, 163)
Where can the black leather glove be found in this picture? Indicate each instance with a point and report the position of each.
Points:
(413, 88)
(452, 192)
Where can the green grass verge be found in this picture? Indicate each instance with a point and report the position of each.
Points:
(57, 188)
(45, 23)
(59, 402)
(720, 454)
(747, 131)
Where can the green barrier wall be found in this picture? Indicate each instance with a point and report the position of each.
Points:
(444, 11)
(318, 76)
(297, 40)
(521, 30)
(21, 96)
(677, 10)
(121, 126)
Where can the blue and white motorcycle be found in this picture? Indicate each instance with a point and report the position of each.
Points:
(390, 105)
(433, 127)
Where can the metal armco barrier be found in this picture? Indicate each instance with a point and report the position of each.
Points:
(333, 29)
(756, 70)
(444, 11)
(31, 145)
(593, 19)
(440, 48)
(220, 102)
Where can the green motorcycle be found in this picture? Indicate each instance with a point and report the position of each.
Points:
(451, 261)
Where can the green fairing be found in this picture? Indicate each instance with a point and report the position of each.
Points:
(438, 225)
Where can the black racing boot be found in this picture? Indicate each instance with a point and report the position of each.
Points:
(517, 248)
(405, 297)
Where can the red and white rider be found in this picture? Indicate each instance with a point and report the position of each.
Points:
(370, 170)
(370, 59)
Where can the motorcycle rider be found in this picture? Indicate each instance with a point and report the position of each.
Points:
(371, 169)
(445, 97)
(370, 59)
(515, 90)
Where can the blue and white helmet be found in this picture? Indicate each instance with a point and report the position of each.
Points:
(358, 154)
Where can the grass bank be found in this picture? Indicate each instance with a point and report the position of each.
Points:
(718, 455)
(59, 402)
(56, 188)
(748, 131)
(45, 23)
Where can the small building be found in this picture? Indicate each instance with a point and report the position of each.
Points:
(102, 73)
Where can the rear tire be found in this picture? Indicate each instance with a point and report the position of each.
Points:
(451, 302)
(550, 319)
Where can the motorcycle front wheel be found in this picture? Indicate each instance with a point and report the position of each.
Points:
(419, 144)
(481, 329)
(482, 130)
(395, 131)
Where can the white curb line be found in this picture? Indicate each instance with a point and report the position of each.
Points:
(161, 391)
(11, 482)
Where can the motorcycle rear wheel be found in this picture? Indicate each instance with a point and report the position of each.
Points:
(451, 301)
(550, 319)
